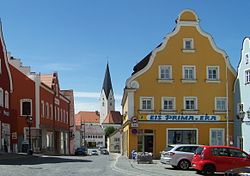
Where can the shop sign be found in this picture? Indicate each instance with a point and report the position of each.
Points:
(182, 118)
(134, 122)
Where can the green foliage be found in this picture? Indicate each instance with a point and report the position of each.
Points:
(109, 130)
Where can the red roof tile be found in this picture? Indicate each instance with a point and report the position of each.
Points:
(114, 117)
(87, 117)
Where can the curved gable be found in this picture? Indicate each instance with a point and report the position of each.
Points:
(186, 18)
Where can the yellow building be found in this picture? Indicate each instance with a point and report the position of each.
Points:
(182, 92)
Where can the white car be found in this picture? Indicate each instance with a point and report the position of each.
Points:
(179, 156)
(94, 152)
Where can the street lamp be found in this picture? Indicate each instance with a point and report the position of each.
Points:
(241, 115)
(83, 135)
(29, 120)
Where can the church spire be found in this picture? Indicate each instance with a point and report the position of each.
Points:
(107, 85)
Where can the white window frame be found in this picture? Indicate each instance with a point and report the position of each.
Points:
(21, 106)
(163, 99)
(192, 98)
(217, 129)
(67, 117)
(188, 49)
(6, 99)
(247, 76)
(47, 110)
(42, 109)
(188, 67)
(216, 104)
(217, 68)
(165, 79)
(151, 99)
(51, 111)
(1, 97)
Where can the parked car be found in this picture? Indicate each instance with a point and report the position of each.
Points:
(94, 152)
(104, 151)
(244, 171)
(179, 156)
(210, 159)
(81, 151)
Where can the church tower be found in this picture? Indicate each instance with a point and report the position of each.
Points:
(107, 96)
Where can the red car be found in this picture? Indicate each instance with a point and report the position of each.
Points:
(210, 159)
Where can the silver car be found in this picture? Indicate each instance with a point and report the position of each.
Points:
(179, 156)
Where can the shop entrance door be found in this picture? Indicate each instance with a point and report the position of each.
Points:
(148, 143)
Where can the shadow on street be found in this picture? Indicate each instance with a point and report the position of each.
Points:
(191, 170)
(34, 160)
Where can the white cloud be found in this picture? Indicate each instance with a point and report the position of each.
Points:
(89, 101)
(60, 66)
(87, 95)
(95, 95)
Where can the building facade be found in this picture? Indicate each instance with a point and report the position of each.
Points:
(6, 88)
(38, 97)
(114, 142)
(180, 93)
(89, 132)
(70, 95)
(242, 100)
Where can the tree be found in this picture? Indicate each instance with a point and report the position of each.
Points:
(109, 130)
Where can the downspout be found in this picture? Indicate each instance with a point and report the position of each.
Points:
(227, 115)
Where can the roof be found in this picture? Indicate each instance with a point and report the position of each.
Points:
(113, 117)
(107, 85)
(87, 117)
(91, 129)
(47, 79)
(143, 62)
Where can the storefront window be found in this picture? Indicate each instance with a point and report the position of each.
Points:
(182, 136)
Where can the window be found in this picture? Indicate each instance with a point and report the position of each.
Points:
(47, 109)
(247, 58)
(6, 100)
(247, 76)
(190, 103)
(237, 153)
(212, 73)
(220, 103)
(146, 103)
(178, 136)
(51, 111)
(168, 103)
(67, 117)
(42, 109)
(1, 97)
(188, 44)
(26, 107)
(165, 72)
(189, 72)
(216, 136)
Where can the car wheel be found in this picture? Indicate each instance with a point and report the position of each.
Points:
(208, 170)
(184, 164)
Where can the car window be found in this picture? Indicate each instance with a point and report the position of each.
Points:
(220, 151)
(169, 147)
(237, 153)
(199, 150)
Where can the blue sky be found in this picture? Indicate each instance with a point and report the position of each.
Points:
(77, 38)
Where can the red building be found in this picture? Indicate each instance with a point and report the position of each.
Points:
(6, 114)
(47, 106)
